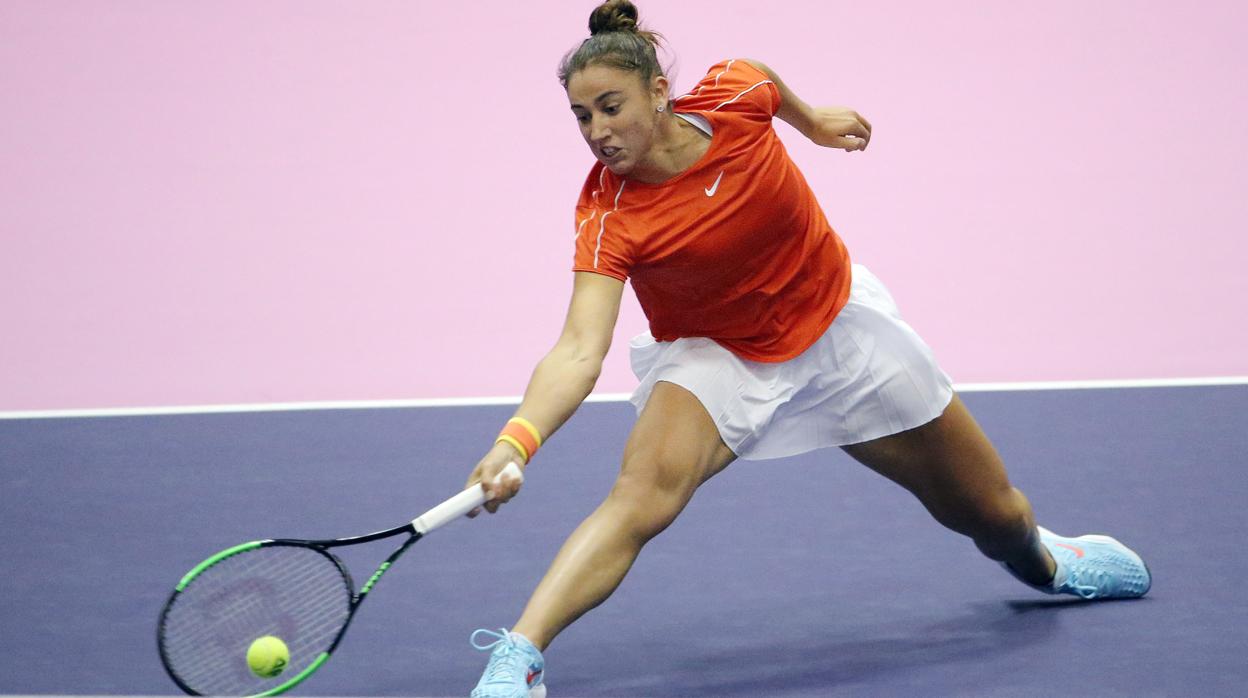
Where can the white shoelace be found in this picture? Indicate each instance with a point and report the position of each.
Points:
(506, 670)
(1087, 591)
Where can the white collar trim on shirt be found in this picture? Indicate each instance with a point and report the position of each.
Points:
(700, 122)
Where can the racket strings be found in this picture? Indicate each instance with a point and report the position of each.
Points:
(292, 592)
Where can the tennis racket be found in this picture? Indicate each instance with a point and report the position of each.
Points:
(293, 590)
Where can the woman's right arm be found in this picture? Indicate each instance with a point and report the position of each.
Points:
(563, 378)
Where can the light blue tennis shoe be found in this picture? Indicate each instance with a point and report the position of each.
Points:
(1095, 567)
(516, 668)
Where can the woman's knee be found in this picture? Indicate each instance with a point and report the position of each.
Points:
(651, 491)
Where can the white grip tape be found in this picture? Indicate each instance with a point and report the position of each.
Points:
(461, 503)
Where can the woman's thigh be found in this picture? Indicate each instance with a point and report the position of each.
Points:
(675, 444)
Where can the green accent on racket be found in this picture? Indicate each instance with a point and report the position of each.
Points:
(373, 579)
(214, 560)
(296, 680)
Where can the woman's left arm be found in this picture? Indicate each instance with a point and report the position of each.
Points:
(833, 127)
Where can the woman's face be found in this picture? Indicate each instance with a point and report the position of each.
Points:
(617, 117)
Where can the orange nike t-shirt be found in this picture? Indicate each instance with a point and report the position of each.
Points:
(735, 248)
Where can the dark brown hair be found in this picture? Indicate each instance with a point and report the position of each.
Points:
(616, 40)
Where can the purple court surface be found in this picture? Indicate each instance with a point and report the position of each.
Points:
(808, 576)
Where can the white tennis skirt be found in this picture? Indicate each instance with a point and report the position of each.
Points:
(869, 375)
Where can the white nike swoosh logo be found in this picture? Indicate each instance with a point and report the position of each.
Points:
(715, 187)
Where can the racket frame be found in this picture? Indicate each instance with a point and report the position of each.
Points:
(416, 529)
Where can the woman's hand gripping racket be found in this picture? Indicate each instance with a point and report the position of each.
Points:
(259, 618)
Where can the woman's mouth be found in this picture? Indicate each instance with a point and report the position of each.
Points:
(610, 153)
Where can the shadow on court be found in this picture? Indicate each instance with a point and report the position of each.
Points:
(861, 660)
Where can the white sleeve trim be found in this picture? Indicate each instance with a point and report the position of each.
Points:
(742, 93)
(714, 84)
(602, 222)
(581, 227)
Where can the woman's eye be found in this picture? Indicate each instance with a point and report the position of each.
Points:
(612, 109)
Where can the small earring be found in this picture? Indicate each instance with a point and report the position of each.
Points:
(659, 108)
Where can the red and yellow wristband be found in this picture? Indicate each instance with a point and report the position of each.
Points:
(522, 435)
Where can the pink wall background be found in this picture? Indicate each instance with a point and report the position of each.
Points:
(280, 201)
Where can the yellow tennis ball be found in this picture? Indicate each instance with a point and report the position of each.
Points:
(268, 656)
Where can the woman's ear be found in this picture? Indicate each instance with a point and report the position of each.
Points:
(659, 89)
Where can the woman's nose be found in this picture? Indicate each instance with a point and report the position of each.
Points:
(598, 130)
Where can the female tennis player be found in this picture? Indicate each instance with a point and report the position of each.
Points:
(764, 340)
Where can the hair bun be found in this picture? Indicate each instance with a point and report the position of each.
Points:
(613, 16)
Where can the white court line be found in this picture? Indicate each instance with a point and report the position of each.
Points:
(597, 397)
(1102, 384)
(286, 407)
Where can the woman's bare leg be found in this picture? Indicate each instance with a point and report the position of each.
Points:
(673, 449)
(952, 467)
